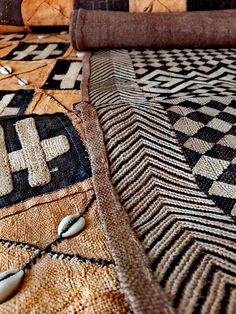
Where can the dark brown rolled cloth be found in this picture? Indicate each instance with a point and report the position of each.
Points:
(106, 29)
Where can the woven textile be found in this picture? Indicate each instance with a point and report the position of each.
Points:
(155, 5)
(46, 175)
(172, 162)
(109, 30)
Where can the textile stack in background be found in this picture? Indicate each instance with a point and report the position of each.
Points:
(118, 166)
(22, 15)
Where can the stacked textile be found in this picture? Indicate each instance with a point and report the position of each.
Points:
(25, 14)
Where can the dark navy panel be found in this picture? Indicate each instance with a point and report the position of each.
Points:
(72, 166)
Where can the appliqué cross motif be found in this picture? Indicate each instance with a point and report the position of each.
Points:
(33, 156)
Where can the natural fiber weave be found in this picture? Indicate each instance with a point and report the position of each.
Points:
(109, 30)
(187, 230)
(49, 177)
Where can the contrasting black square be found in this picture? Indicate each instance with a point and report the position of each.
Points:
(222, 152)
(199, 117)
(209, 134)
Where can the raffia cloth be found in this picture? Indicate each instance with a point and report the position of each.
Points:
(102, 29)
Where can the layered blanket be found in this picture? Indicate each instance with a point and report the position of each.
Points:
(118, 178)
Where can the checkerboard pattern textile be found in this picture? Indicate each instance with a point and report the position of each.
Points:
(207, 133)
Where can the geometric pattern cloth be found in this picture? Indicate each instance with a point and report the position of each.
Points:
(207, 133)
(200, 85)
(187, 229)
(45, 174)
(167, 75)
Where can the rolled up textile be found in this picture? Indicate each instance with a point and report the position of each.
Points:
(108, 30)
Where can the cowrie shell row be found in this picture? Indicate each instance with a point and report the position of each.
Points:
(9, 282)
(70, 226)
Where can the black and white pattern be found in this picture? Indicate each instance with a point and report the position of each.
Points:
(66, 74)
(34, 51)
(207, 133)
(121, 87)
(14, 103)
(39, 154)
(186, 73)
(188, 239)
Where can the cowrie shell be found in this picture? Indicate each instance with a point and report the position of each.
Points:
(70, 226)
(5, 70)
(9, 282)
(80, 54)
(22, 82)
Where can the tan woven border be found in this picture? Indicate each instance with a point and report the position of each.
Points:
(134, 274)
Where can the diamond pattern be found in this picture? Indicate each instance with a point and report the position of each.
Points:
(208, 135)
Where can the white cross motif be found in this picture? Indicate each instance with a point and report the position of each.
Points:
(4, 102)
(4, 38)
(39, 54)
(69, 79)
(33, 156)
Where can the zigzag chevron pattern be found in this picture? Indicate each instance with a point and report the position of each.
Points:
(114, 70)
(189, 240)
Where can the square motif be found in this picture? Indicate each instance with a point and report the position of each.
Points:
(210, 167)
(40, 154)
(219, 125)
(188, 126)
(209, 134)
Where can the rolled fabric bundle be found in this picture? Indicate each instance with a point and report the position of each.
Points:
(108, 30)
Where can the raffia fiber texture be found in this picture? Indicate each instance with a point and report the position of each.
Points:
(102, 30)
(48, 176)
(172, 160)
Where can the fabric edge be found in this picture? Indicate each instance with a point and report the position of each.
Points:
(140, 289)
(76, 29)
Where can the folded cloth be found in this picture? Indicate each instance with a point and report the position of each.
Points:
(28, 13)
(103, 29)
(40, 13)
(155, 5)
